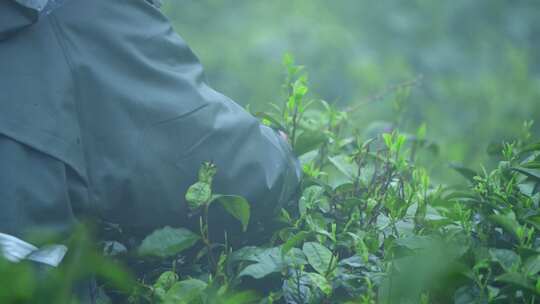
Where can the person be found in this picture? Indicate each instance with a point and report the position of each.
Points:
(105, 115)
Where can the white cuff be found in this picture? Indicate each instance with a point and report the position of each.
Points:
(15, 250)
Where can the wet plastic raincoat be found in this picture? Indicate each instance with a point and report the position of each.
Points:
(104, 113)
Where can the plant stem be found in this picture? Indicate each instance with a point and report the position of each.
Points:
(294, 125)
(205, 233)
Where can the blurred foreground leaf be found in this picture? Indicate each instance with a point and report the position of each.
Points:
(167, 242)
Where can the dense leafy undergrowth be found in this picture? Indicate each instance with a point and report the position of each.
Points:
(368, 227)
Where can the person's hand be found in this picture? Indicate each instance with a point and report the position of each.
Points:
(284, 136)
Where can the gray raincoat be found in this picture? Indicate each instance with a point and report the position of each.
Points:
(104, 113)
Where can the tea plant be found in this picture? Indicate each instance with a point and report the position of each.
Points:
(369, 224)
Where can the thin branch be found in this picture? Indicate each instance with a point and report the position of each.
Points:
(388, 90)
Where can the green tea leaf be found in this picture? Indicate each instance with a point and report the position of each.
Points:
(516, 279)
(237, 206)
(311, 198)
(344, 165)
(508, 259)
(248, 253)
(198, 195)
(166, 280)
(531, 165)
(320, 282)
(239, 297)
(167, 242)
(530, 148)
(319, 257)
(274, 122)
(469, 174)
(294, 241)
(187, 291)
(270, 261)
(387, 137)
(308, 141)
(466, 295)
(415, 242)
(297, 289)
(532, 265)
(207, 172)
(532, 173)
(507, 222)
(421, 131)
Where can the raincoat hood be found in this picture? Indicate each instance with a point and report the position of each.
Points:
(16, 15)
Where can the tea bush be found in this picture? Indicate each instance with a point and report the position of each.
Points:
(368, 226)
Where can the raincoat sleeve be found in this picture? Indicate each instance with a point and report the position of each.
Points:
(253, 160)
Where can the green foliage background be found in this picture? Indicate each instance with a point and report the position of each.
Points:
(478, 59)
